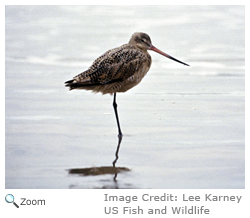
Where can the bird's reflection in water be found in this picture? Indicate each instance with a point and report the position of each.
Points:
(103, 170)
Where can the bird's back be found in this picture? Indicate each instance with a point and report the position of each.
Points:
(117, 70)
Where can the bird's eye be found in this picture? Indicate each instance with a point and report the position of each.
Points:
(144, 41)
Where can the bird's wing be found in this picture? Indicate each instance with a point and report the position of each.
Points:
(114, 65)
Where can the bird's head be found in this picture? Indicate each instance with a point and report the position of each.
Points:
(143, 42)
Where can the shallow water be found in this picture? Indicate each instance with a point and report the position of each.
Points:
(184, 127)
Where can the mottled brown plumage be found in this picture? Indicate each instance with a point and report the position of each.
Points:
(118, 69)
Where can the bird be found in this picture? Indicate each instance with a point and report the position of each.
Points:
(119, 69)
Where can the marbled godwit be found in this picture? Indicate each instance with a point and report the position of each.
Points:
(118, 69)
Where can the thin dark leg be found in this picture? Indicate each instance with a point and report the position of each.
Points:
(116, 155)
(117, 150)
(116, 115)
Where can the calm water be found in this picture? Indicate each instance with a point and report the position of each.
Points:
(183, 126)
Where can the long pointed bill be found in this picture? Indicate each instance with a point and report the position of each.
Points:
(166, 55)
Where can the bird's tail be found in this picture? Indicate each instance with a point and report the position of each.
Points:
(75, 84)
(70, 84)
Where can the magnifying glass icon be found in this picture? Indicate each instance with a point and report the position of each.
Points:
(9, 198)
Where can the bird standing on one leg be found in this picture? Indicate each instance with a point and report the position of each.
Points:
(118, 69)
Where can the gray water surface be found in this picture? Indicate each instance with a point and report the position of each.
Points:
(184, 127)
